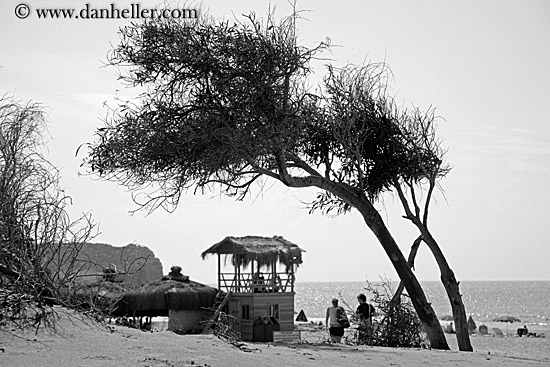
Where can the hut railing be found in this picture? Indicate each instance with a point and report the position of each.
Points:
(256, 283)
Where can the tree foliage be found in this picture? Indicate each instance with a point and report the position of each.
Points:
(226, 104)
(221, 99)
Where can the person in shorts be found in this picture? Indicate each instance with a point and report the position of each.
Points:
(336, 331)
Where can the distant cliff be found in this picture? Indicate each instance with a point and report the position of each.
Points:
(134, 264)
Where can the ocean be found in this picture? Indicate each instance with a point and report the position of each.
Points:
(529, 301)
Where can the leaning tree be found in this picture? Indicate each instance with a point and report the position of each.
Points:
(416, 194)
(405, 150)
(225, 106)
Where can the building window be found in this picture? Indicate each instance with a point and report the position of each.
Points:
(246, 312)
(273, 311)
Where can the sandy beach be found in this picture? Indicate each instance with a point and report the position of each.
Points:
(80, 342)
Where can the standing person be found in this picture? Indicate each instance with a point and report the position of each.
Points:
(365, 311)
(336, 330)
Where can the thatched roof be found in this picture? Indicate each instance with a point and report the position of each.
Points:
(101, 288)
(264, 250)
(156, 298)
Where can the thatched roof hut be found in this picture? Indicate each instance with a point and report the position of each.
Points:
(242, 251)
(100, 294)
(173, 292)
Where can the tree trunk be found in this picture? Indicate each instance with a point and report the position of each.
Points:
(423, 308)
(396, 299)
(452, 288)
(447, 276)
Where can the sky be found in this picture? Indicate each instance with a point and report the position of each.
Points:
(483, 65)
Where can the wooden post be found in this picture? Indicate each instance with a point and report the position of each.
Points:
(252, 280)
(219, 273)
(237, 264)
(274, 284)
(292, 278)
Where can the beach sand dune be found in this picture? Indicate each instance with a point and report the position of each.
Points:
(80, 342)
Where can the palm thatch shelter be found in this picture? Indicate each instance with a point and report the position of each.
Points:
(185, 302)
(258, 274)
(103, 295)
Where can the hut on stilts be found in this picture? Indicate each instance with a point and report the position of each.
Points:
(187, 303)
(257, 276)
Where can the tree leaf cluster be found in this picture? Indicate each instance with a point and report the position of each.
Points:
(226, 104)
